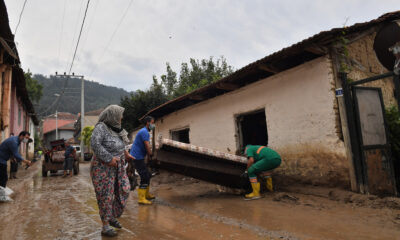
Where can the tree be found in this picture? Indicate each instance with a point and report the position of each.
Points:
(35, 89)
(194, 75)
(38, 142)
(139, 103)
(87, 135)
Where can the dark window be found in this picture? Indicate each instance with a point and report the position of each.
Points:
(252, 129)
(181, 135)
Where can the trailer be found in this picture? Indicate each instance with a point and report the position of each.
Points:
(54, 158)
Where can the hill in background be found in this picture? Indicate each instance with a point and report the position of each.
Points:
(96, 95)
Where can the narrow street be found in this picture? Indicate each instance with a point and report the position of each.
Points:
(57, 208)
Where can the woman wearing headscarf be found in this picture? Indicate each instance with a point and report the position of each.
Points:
(108, 172)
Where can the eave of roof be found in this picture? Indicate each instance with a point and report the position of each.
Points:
(19, 78)
(8, 37)
(301, 52)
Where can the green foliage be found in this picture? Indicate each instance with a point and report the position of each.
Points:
(35, 89)
(38, 142)
(87, 135)
(139, 103)
(393, 122)
(342, 43)
(193, 75)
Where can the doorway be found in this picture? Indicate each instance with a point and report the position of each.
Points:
(252, 129)
(373, 158)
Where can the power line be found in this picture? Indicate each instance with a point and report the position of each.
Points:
(89, 27)
(112, 36)
(57, 101)
(79, 37)
(75, 31)
(20, 17)
(61, 34)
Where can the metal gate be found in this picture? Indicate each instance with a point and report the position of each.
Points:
(369, 136)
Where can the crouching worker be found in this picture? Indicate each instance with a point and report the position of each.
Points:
(260, 159)
(141, 147)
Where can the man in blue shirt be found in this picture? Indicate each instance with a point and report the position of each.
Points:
(69, 157)
(8, 149)
(141, 148)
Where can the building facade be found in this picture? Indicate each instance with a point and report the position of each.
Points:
(287, 101)
(17, 113)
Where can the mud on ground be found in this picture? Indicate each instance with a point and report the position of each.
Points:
(186, 208)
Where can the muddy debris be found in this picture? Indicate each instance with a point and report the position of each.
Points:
(285, 197)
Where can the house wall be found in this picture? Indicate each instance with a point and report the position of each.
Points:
(6, 74)
(19, 120)
(299, 106)
(51, 136)
(91, 120)
(363, 63)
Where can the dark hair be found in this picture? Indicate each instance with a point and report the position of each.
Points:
(147, 119)
(23, 134)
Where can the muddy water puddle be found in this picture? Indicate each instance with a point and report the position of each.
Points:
(58, 208)
(66, 208)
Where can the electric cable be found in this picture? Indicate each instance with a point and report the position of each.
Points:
(111, 38)
(20, 17)
(57, 101)
(61, 33)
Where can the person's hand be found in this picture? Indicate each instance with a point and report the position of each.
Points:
(114, 162)
(27, 162)
(128, 156)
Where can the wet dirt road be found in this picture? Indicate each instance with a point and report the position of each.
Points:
(57, 208)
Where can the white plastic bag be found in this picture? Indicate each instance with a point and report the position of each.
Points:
(5, 194)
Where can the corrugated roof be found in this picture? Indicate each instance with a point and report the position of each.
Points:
(7, 36)
(69, 126)
(301, 52)
(66, 127)
(63, 115)
(94, 112)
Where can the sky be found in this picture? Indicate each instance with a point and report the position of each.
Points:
(125, 42)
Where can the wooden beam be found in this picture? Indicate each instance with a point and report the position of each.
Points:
(318, 50)
(268, 68)
(196, 97)
(227, 86)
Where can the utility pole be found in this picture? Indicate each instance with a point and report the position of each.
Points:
(56, 125)
(82, 105)
(82, 117)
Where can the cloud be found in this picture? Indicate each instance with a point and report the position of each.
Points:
(158, 31)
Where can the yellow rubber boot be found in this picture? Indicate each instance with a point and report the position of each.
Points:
(256, 192)
(142, 197)
(149, 196)
(269, 185)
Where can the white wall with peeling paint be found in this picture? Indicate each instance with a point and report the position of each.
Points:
(298, 104)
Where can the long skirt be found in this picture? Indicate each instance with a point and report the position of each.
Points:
(111, 185)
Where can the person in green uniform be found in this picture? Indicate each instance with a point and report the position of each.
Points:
(260, 159)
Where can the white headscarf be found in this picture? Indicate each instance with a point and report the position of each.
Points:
(112, 116)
